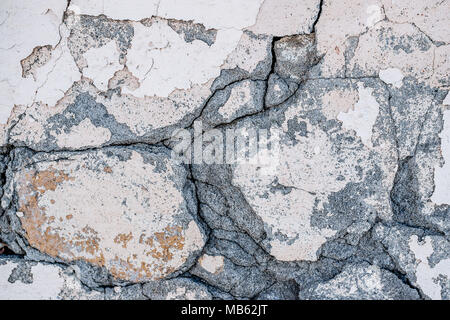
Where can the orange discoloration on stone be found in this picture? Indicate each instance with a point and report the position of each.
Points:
(169, 240)
(107, 169)
(34, 220)
(123, 239)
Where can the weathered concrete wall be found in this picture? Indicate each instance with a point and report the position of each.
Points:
(116, 179)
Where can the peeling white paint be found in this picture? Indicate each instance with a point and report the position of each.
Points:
(184, 293)
(363, 116)
(219, 14)
(83, 135)
(102, 63)
(231, 14)
(392, 76)
(441, 194)
(117, 9)
(157, 63)
(374, 53)
(18, 41)
(135, 232)
(49, 283)
(212, 264)
(427, 277)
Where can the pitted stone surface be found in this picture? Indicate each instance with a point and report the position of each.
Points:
(131, 136)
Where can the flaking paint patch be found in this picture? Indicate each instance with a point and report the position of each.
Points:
(430, 16)
(363, 115)
(157, 63)
(141, 229)
(84, 134)
(389, 45)
(392, 76)
(212, 264)
(441, 194)
(103, 62)
(285, 17)
(49, 282)
(427, 277)
(18, 41)
(301, 169)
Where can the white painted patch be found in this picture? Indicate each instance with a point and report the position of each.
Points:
(26, 25)
(212, 264)
(102, 63)
(441, 194)
(363, 116)
(447, 100)
(117, 9)
(219, 14)
(135, 232)
(392, 76)
(301, 168)
(157, 63)
(84, 134)
(427, 277)
(49, 283)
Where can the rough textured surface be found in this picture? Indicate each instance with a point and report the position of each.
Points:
(257, 149)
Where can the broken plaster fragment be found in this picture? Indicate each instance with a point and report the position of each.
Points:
(295, 199)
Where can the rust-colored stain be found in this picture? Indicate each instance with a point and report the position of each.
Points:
(123, 239)
(159, 245)
(34, 218)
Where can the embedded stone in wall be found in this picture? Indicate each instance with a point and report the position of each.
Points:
(128, 210)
